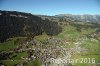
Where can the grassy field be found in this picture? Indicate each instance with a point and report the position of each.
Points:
(9, 44)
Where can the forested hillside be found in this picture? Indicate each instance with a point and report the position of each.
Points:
(14, 24)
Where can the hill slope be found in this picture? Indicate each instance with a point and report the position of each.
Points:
(14, 24)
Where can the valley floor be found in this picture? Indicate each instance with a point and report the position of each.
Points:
(74, 46)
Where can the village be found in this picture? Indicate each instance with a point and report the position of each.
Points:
(52, 52)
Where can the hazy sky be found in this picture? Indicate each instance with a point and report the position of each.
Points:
(52, 7)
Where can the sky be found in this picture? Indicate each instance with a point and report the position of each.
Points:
(52, 7)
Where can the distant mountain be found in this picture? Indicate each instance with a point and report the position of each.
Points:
(70, 17)
(83, 18)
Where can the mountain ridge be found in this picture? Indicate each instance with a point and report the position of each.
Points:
(82, 18)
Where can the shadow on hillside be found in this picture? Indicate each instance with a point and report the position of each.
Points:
(15, 26)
